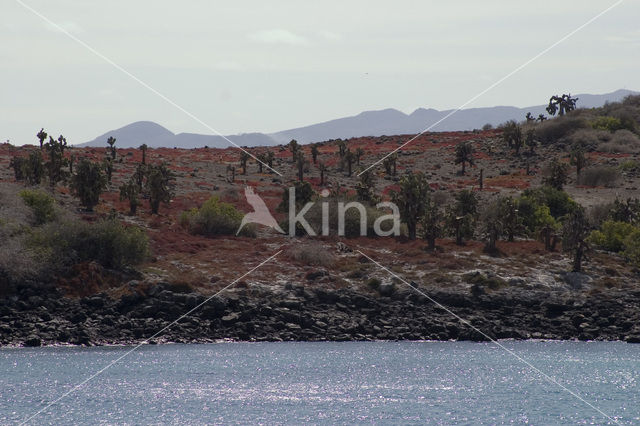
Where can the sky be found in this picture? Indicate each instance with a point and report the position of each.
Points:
(246, 66)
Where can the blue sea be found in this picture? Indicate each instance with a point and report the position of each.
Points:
(325, 383)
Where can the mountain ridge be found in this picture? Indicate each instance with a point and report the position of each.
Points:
(386, 121)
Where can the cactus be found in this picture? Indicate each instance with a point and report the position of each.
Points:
(464, 155)
(111, 141)
(88, 183)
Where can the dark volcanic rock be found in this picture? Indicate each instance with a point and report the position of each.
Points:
(632, 339)
(32, 342)
(316, 313)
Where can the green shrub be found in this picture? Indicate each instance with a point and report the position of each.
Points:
(116, 245)
(607, 123)
(558, 201)
(599, 176)
(632, 247)
(41, 204)
(629, 166)
(612, 235)
(214, 218)
(107, 242)
(543, 219)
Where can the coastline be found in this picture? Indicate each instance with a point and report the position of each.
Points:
(41, 316)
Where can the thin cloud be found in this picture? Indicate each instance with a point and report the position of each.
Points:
(627, 37)
(227, 65)
(69, 26)
(109, 94)
(278, 36)
(329, 35)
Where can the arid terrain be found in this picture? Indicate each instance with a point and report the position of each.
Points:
(187, 263)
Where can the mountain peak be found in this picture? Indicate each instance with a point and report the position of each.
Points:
(388, 121)
(135, 134)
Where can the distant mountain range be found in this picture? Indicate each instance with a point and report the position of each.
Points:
(369, 123)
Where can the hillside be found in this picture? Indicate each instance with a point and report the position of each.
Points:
(310, 273)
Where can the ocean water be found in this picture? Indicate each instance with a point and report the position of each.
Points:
(325, 383)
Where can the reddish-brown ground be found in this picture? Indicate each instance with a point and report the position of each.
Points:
(211, 263)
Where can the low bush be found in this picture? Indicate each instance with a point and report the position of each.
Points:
(42, 205)
(107, 242)
(554, 130)
(618, 237)
(493, 282)
(599, 213)
(600, 176)
(610, 124)
(632, 247)
(39, 242)
(622, 141)
(627, 112)
(589, 139)
(17, 262)
(612, 235)
(214, 217)
(629, 166)
(13, 211)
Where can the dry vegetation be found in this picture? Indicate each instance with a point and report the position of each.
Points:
(180, 255)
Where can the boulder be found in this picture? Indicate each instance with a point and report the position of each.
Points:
(577, 280)
(231, 318)
(32, 342)
(314, 275)
(387, 289)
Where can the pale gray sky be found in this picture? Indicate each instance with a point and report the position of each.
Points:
(247, 66)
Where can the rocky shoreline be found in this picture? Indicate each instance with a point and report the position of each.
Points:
(37, 316)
